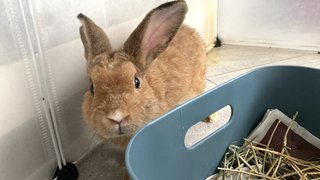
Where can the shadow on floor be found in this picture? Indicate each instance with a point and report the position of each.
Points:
(106, 162)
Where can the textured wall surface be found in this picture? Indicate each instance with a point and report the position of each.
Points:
(286, 23)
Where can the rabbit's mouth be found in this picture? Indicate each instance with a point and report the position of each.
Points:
(120, 129)
(126, 129)
(121, 125)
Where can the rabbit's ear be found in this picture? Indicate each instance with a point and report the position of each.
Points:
(94, 40)
(154, 33)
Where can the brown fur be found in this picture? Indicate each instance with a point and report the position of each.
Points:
(169, 62)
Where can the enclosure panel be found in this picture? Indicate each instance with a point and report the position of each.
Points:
(26, 150)
(286, 23)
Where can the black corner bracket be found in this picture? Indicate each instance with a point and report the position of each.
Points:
(67, 172)
(218, 42)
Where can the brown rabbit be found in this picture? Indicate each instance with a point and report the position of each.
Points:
(160, 65)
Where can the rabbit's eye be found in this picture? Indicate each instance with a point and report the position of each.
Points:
(136, 83)
(92, 89)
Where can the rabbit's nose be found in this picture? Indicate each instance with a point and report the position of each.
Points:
(117, 116)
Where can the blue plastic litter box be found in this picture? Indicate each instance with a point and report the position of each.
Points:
(157, 151)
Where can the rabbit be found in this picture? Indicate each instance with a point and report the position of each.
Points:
(160, 65)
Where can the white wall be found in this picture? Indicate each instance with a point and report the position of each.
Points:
(202, 16)
(284, 23)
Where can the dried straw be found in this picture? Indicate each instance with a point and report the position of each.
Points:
(257, 161)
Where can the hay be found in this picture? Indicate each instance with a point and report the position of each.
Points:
(257, 161)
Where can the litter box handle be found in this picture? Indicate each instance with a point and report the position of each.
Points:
(206, 104)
